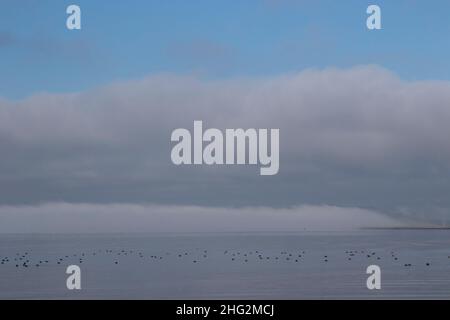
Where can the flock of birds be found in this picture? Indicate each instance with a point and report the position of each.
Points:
(24, 259)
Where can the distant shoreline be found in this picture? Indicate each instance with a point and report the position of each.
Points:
(406, 228)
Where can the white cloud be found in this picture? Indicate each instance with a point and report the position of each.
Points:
(83, 217)
(359, 137)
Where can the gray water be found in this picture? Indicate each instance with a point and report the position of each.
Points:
(228, 266)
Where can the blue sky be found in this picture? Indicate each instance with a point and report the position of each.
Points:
(123, 40)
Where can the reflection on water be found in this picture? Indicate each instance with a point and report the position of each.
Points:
(414, 264)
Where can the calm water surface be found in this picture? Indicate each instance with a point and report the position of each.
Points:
(331, 265)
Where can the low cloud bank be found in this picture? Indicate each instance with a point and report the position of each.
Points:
(358, 137)
(87, 218)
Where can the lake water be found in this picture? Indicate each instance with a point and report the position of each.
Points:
(306, 265)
